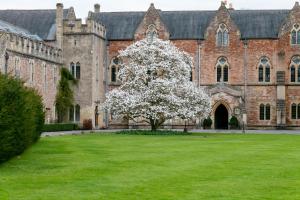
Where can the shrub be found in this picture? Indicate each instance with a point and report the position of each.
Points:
(87, 124)
(149, 132)
(207, 123)
(60, 127)
(21, 117)
(234, 123)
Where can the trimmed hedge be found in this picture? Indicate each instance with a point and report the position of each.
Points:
(60, 127)
(149, 132)
(21, 117)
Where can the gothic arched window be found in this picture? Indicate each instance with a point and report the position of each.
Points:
(295, 69)
(295, 34)
(151, 33)
(264, 71)
(222, 70)
(72, 68)
(78, 70)
(222, 36)
(114, 68)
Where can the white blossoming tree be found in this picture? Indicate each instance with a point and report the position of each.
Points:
(156, 86)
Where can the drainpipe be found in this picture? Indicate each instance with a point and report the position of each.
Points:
(245, 85)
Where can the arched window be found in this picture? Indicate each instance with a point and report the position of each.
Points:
(151, 33)
(268, 112)
(78, 70)
(295, 34)
(222, 70)
(295, 69)
(294, 111)
(113, 73)
(264, 71)
(264, 112)
(222, 36)
(191, 75)
(77, 113)
(114, 68)
(72, 68)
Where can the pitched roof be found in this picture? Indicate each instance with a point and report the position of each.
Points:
(37, 22)
(9, 28)
(193, 24)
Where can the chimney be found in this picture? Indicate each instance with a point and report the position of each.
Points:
(97, 8)
(59, 24)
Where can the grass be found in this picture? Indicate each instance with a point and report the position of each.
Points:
(129, 167)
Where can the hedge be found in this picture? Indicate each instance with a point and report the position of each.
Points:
(21, 117)
(60, 127)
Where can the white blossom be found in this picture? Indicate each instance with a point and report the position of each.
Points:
(156, 86)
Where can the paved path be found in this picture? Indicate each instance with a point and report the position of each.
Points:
(291, 132)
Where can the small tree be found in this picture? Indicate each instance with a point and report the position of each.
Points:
(234, 122)
(64, 97)
(156, 85)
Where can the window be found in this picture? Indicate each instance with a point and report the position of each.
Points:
(114, 69)
(295, 69)
(222, 70)
(191, 75)
(151, 33)
(264, 74)
(222, 36)
(264, 112)
(295, 35)
(72, 68)
(74, 113)
(77, 70)
(77, 113)
(295, 111)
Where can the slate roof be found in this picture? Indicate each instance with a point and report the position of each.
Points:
(37, 22)
(253, 24)
(7, 27)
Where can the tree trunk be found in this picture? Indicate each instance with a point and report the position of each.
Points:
(155, 124)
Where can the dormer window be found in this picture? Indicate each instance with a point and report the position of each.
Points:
(151, 33)
(295, 35)
(222, 36)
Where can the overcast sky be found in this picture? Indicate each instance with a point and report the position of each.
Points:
(83, 6)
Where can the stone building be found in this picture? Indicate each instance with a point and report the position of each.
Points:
(248, 60)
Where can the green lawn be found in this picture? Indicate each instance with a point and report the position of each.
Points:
(127, 167)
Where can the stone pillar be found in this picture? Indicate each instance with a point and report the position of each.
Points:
(59, 25)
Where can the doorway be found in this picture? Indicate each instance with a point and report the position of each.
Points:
(221, 117)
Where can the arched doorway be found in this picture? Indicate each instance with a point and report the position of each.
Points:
(221, 117)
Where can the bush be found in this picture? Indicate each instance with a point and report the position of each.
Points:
(21, 117)
(87, 124)
(149, 132)
(207, 123)
(60, 127)
(234, 123)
